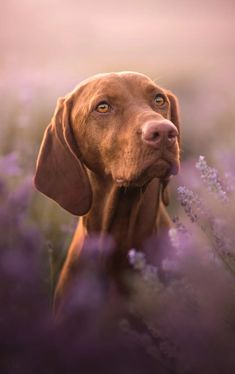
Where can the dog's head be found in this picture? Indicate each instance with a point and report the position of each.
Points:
(121, 126)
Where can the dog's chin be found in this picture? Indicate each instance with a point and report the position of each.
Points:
(161, 169)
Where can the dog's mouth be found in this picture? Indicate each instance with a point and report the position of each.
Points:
(161, 169)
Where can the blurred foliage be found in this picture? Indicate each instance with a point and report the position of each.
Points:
(180, 316)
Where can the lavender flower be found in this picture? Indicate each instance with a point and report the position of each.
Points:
(198, 212)
(137, 259)
(210, 178)
(191, 203)
(148, 272)
(9, 164)
(174, 237)
(179, 225)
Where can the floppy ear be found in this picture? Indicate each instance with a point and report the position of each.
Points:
(59, 173)
(174, 110)
(175, 118)
(165, 195)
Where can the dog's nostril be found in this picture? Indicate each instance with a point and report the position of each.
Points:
(154, 136)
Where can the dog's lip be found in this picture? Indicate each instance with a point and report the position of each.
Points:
(121, 182)
(136, 180)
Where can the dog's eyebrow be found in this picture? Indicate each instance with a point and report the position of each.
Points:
(150, 89)
(104, 97)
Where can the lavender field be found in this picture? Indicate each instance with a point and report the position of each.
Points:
(182, 322)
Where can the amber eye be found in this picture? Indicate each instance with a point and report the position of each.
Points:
(159, 99)
(103, 107)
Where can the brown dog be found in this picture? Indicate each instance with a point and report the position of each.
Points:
(107, 155)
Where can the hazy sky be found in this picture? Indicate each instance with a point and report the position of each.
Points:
(90, 36)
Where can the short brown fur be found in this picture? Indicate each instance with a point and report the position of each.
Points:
(100, 165)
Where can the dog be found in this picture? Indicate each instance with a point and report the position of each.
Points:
(107, 156)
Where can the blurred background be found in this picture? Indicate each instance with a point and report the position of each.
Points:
(49, 46)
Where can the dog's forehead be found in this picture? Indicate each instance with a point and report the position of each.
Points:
(115, 81)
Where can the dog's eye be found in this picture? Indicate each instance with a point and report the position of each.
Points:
(103, 107)
(159, 99)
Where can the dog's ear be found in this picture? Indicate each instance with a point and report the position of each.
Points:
(175, 118)
(165, 195)
(59, 172)
(174, 110)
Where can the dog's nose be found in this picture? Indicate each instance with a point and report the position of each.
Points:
(155, 133)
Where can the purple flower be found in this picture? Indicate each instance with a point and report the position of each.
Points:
(137, 259)
(148, 272)
(191, 203)
(9, 165)
(210, 178)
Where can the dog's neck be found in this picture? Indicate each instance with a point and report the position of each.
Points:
(127, 214)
